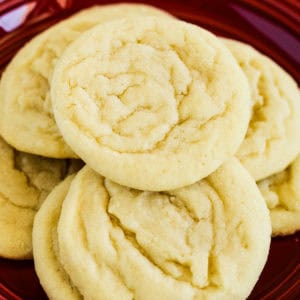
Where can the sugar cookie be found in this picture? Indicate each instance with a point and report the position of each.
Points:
(207, 240)
(282, 194)
(151, 108)
(52, 276)
(272, 141)
(25, 181)
(26, 118)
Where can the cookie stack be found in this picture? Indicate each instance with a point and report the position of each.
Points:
(157, 109)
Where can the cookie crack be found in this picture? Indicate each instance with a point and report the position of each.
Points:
(179, 202)
(214, 278)
(131, 238)
(6, 199)
(116, 272)
(275, 183)
(87, 247)
(257, 118)
(18, 167)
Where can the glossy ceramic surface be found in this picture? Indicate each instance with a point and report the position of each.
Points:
(272, 26)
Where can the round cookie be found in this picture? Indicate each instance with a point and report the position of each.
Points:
(26, 118)
(52, 276)
(147, 107)
(209, 240)
(282, 194)
(272, 141)
(25, 181)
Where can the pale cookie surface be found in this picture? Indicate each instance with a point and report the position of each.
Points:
(151, 108)
(26, 118)
(25, 181)
(209, 240)
(282, 194)
(272, 141)
(52, 276)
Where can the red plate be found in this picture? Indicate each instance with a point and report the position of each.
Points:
(272, 26)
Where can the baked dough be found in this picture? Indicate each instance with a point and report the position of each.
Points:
(149, 107)
(282, 194)
(25, 181)
(26, 118)
(209, 240)
(55, 281)
(272, 141)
